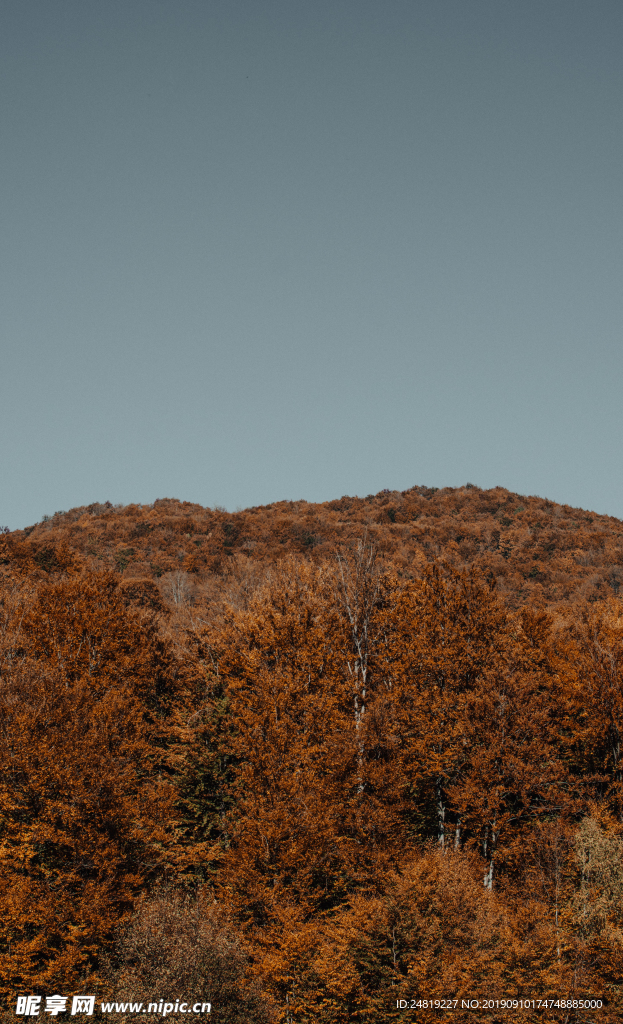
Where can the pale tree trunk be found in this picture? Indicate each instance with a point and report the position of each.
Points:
(488, 850)
(557, 892)
(615, 745)
(357, 594)
(441, 813)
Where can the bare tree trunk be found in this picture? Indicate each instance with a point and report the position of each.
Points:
(357, 593)
(488, 849)
(441, 813)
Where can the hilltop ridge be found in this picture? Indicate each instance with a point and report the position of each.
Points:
(535, 549)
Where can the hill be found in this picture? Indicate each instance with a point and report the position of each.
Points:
(536, 550)
(334, 762)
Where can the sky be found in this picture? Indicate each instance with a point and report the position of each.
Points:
(298, 249)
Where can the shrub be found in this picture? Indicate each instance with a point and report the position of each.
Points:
(178, 947)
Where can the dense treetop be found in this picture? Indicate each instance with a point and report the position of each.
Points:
(536, 549)
(315, 759)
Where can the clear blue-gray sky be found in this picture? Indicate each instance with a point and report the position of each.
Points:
(305, 248)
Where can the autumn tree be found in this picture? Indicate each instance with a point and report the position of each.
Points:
(89, 690)
(448, 630)
(595, 696)
(307, 821)
(293, 741)
(175, 947)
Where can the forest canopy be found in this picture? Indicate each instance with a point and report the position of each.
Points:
(315, 760)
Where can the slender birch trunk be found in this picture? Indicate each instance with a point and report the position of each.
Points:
(488, 849)
(441, 813)
(357, 594)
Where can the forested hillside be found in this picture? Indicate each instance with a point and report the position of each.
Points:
(310, 761)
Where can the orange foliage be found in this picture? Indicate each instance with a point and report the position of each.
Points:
(383, 734)
(86, 805)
